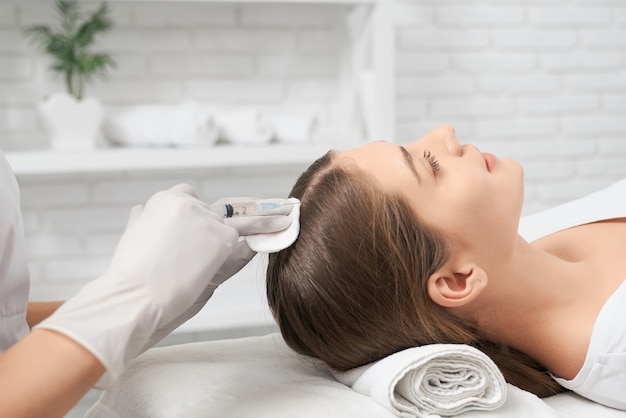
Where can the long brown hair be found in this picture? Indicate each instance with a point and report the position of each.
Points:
(352, 288)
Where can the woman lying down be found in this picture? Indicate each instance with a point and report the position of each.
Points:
(406, 246)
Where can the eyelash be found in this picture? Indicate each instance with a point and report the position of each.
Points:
(432, 160)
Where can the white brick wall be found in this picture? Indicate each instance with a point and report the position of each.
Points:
(231, 53)
(540, 81)
(543, 82)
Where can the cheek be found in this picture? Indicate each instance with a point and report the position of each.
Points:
(453, 212)
(480, 204)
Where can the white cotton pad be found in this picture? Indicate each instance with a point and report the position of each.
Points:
(276, 241)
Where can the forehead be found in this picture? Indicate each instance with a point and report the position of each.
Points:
(370, 155)
(381, 161)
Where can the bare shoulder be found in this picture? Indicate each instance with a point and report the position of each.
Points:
(599, 245)
(567, 342)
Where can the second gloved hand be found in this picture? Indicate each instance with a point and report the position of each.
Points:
(239, 257)
(164, 260)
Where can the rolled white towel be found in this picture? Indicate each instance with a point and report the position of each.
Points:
(291, 126)
(188, 124)
(243, 126)
(432, 380)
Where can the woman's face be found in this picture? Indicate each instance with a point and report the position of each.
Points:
(474, 199)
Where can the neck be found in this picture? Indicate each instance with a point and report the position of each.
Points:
(526, 295)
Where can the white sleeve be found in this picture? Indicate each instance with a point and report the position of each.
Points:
(14, 277)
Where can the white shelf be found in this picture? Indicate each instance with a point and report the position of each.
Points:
(339, 2)
(46, 162)
(370, 52)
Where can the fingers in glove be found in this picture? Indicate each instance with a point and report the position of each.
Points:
(134, 213)
(252, 225)
(241, 255)
(184, 188)
(189, 191)
(279, 206)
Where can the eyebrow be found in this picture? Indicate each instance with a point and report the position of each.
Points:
(408, 159)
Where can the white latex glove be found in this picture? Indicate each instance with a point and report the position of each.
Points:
(239, 257)
(164, 260)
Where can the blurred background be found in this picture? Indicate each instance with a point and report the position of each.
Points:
(540, 81)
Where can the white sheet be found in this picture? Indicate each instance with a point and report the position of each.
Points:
(261, 377)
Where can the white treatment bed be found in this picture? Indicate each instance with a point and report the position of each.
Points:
(261, 377)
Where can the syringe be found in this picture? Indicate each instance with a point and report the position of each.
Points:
(251, 208)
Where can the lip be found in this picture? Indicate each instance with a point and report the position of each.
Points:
(490, 161)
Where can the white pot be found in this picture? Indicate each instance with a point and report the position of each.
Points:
(71, 124)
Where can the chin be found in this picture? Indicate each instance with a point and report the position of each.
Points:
(515, 183)
(516, 169)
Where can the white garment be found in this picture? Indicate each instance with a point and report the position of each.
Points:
(603, 375)
(14, 277)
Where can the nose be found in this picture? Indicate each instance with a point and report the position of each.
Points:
(441, 139)
(448, 134)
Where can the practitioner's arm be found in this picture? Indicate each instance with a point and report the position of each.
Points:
(170, 250)
(38, 311)
(44, 375)
(174, 252)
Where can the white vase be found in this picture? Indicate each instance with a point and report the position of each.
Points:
(71, 124)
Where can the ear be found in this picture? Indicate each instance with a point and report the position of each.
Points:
(457, 287)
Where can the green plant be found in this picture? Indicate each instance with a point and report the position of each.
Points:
(70, 45)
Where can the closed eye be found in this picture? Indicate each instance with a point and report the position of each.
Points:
(432, 161)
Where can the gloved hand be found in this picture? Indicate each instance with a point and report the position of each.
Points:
(169, 252)
(239, 257)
